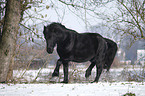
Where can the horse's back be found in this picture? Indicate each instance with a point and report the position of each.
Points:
(83, 47)
(92, 34)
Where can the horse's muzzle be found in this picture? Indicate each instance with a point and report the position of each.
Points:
(50, 50)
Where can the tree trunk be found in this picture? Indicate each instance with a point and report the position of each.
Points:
(9, 35)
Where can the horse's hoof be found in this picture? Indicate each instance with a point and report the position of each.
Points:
(94, 81)
(55, 74)
(64, 82)
(52, 82)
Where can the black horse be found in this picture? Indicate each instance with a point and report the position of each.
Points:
(72, 46)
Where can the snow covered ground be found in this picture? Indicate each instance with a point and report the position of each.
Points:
(117, 83)
(76, 89)
(78, 75)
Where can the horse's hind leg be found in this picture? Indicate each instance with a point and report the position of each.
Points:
(99, 69)
(88, 71)
(56, 71)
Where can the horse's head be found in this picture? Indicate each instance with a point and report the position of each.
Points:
(51, 39)
(53, 34)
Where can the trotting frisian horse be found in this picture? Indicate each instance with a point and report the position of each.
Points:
(76, 47)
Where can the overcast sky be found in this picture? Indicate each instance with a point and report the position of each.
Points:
(61, 13)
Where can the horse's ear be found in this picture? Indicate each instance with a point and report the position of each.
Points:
(44, 27)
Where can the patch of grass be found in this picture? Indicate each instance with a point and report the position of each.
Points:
(129, 94)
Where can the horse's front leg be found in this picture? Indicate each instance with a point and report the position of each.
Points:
(65, 71)
(56, 70)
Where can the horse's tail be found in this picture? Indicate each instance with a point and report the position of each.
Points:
(110, 54)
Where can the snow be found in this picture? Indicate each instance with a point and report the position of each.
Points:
(116, 83)
(78, 75)
(76, 89)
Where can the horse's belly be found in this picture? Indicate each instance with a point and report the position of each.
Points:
(83, 57)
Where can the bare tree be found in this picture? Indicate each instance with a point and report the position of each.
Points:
(11, 22)
(9, 34)
(129, 19)
(86, 9)
(126, 18)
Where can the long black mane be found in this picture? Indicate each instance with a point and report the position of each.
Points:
(55, 25)
(73, 46)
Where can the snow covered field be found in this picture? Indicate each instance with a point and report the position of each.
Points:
(117, 83)
(77, 89)
(78, 75)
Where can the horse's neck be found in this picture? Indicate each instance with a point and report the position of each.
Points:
(68, 40)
